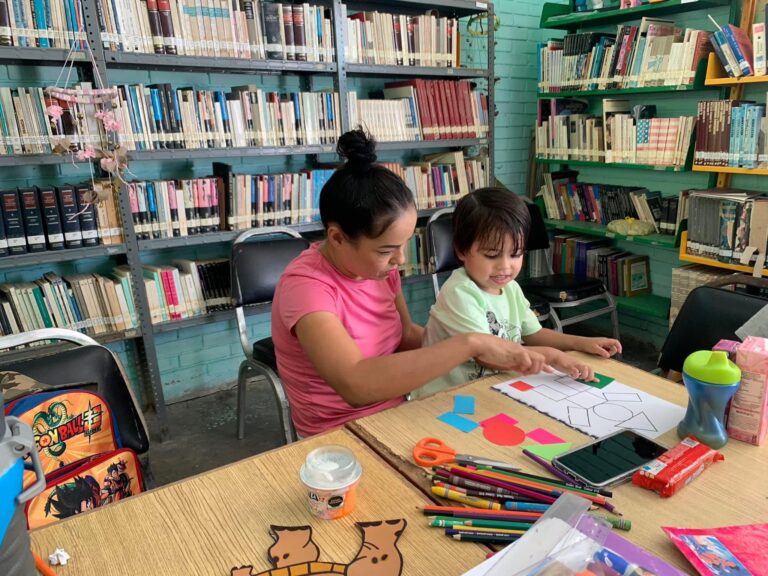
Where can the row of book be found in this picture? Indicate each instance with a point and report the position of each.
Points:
(158, 116)
(622, 273)
(740, 55)
(423, 110)
(40, 218)
(41, 23)
(565, 131)
(729, 225)
(567, 199)
(89, 303)
(653, 53)
(251, 29)
(732, 133)
(416, 257)
(400, 40)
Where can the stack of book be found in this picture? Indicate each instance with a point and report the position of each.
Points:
(567, 199)
(740, 55)
(728, 225)
(732, 133)
(40, 218)
(400, 40)
(186, 289)
(653, 53)
(88, 303)
(565, 131)
(35, 24)
(623, 273)
(685, 279)
(158, 116)
(423, 110)
(252, 29)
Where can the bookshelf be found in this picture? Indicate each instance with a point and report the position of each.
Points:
(653, 167)
(711, 262)
(716, 75)
(561, 16)
(133, 250)
(601, 230)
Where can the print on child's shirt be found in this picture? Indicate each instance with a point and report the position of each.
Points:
(502, 329)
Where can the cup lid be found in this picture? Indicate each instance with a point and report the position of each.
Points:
(330, 467)
(712, 367)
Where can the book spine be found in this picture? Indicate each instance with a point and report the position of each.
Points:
(166, 25)
(741, 59)
(51, 218)
(33, 219)
(87, 213)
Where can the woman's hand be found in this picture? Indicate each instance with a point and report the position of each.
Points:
(605, 347)
(572, 367)
(500, 354)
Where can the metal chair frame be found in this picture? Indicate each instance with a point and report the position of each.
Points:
(251, 364)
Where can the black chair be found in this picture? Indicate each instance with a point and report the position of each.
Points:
(443, 259)
(87, 365)
(563, 291)
(710, 313)
(259, 257)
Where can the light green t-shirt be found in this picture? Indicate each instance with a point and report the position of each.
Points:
(463, 307)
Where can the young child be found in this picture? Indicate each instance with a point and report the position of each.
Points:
(490, 229)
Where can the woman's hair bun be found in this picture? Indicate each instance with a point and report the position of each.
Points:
(358, 147)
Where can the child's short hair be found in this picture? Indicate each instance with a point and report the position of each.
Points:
(486, 216)
(361, 197)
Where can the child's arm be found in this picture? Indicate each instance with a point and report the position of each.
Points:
(599, 346)
(412, 332)
(362, 381)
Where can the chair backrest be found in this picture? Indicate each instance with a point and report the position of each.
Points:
(259, 257)
(538, 238)
(89, 362)
(442, 258)
(708, 315)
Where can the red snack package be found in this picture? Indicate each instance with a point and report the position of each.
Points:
(678, 466)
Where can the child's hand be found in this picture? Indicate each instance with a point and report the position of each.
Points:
(500, 354)
(573, 367)
(605, 347)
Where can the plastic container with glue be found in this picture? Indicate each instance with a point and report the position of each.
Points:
(331, 474)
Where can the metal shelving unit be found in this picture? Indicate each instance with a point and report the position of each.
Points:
(131, 250)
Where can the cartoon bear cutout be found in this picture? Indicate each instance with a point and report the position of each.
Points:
(293, 545)
(294, 552)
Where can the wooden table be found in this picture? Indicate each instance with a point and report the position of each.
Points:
(731, 492)
(209, 523)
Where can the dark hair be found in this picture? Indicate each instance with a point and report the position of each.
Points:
(361, 197)
(486, 216)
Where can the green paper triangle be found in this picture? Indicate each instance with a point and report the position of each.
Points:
(548, 451)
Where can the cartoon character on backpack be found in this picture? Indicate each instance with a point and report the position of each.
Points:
(70, 498)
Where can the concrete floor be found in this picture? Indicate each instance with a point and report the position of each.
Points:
(203, 430)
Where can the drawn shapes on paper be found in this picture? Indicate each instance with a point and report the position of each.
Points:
(576, 385)
(639, 422)
(613, 412)
(463, 424)
(501, 430)
(587, 400)
(578, 417)
(551, 393)
(543, 436)
(463, 404)
(522, 386)
(548, 451)
(622, 397)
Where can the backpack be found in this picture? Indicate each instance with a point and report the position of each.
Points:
(68, 426)
(89, 483)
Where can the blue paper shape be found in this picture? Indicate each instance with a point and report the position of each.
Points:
(463, 404)
(463, 424)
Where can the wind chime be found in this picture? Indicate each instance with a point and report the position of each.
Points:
(84, 121)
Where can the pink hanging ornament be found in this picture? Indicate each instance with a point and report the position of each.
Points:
(88, 153)
(54, 111)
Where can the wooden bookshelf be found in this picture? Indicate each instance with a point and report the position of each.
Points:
(710, 261)
(657, 168)
(717, 76)
(595, 229)
(731, 170)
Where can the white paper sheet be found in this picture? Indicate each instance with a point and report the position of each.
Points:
(594, 411)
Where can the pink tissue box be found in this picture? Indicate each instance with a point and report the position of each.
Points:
(730, 347)
(748, 414)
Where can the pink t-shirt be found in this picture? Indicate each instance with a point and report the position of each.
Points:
(367, 310)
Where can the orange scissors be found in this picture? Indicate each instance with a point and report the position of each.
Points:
(433, 452)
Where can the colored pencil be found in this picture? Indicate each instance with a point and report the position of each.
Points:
(567, 480)
(464, 499)
(615, 521)
(469, 492)
(449, 522)
(485, 538)
(464, 473)
(487, 530)
(465, 483)
(435, 509)
(526, 506)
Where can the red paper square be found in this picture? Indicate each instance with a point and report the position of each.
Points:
(522, 386)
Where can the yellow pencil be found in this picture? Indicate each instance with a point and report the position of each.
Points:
(464, 499)
(486, 529)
